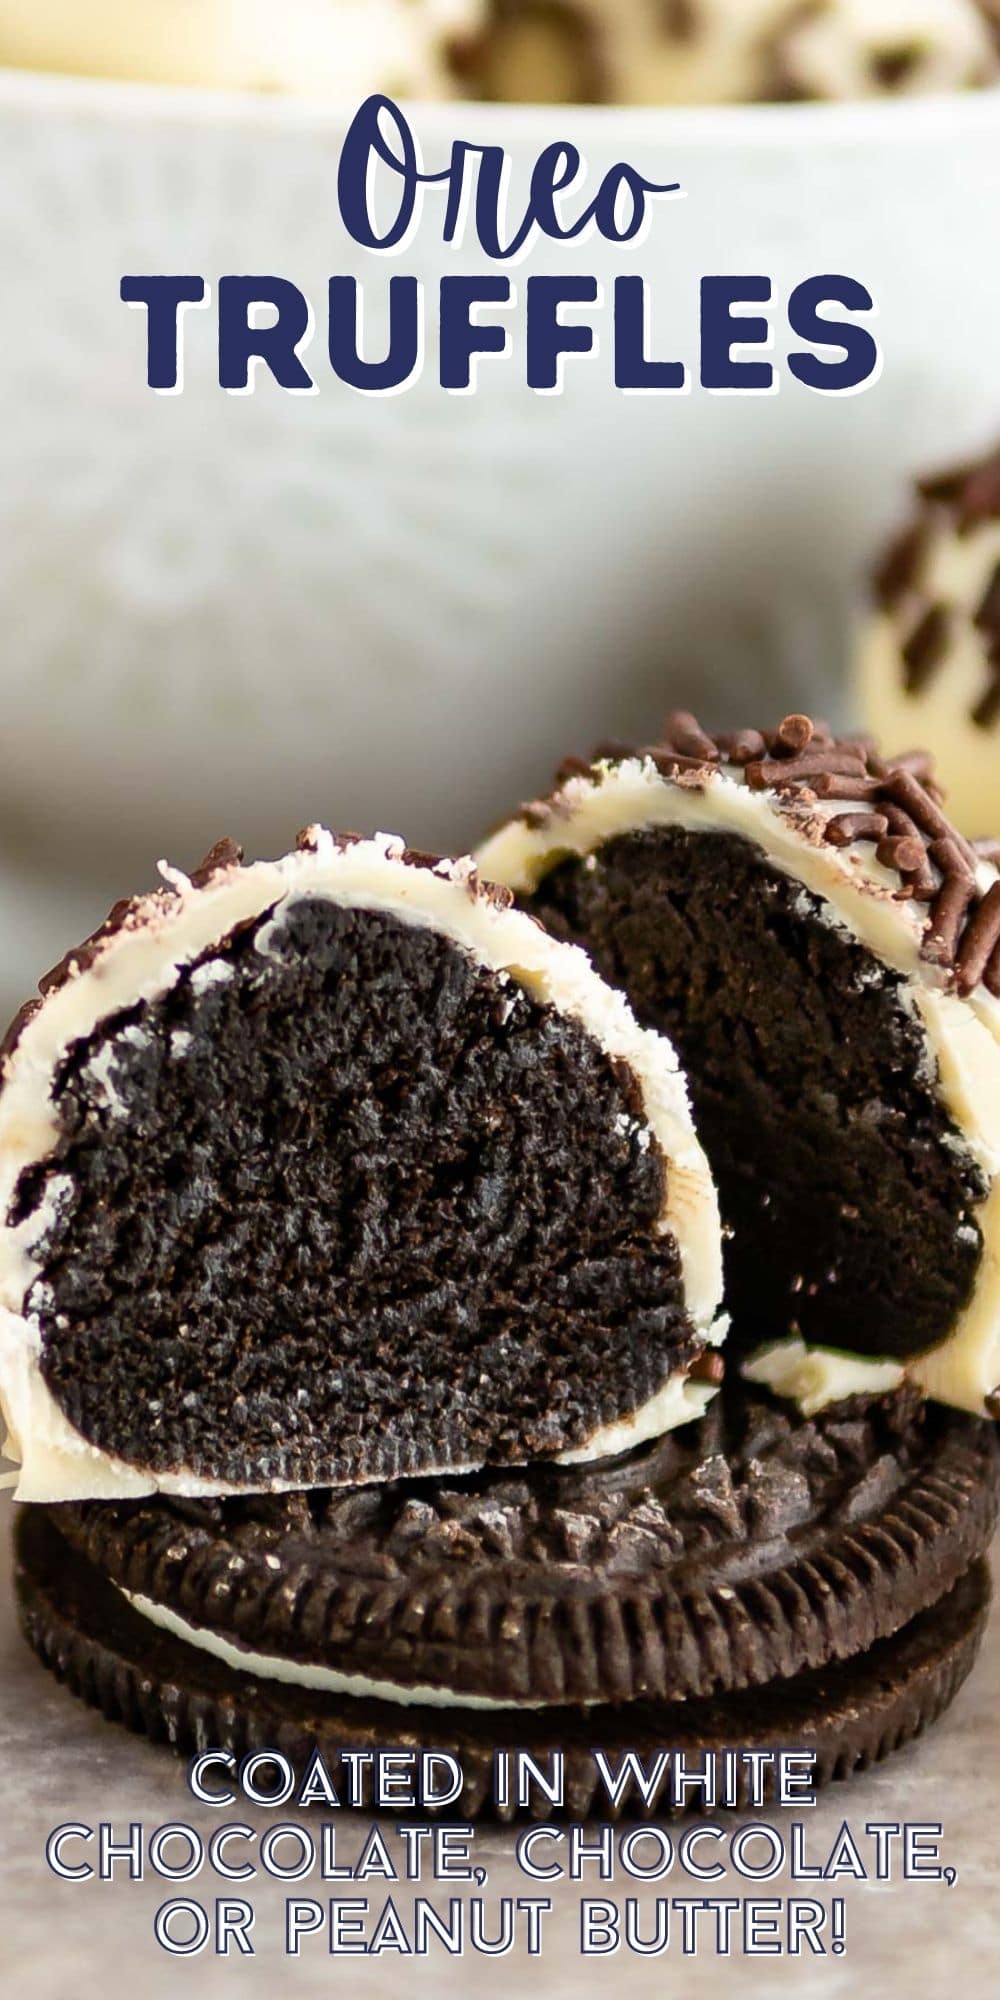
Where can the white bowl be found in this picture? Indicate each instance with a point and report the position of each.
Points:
(241, 613)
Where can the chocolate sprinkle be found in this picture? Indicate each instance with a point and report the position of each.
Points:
(892, 67)
(225, 854)
(849, 827)
(947, 918)
(899, 568)
(900, 812)
(742, 746)
(979, 945)
(926, 648)
(795, 733)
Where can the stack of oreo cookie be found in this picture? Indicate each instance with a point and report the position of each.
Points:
(391, 1356)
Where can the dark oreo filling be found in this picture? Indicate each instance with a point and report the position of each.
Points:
(849, 1194)
(357, 1207)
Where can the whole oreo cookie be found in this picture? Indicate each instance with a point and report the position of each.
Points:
(731, 1568)
(849, 1715)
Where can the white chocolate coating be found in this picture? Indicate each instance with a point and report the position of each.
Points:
(141, 961)
(337, 48)
(857, 894)
(814, 1377)
(737, 51)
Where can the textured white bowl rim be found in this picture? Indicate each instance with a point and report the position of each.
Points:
(947, 118)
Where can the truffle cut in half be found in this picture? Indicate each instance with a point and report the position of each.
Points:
(823, 947)
(334, 1169)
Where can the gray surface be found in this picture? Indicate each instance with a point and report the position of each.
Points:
(61, 1762)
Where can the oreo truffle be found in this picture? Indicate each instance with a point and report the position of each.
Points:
(754, 1579)
(730, 51)
(335, 1168)
(823, 946)
(929, 659)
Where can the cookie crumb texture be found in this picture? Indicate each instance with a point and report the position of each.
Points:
(343, 1205)
(850, 1198)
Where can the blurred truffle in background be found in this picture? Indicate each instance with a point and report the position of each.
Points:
(344, 48)
(929, 663)
(531, 51)
(732, 51)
